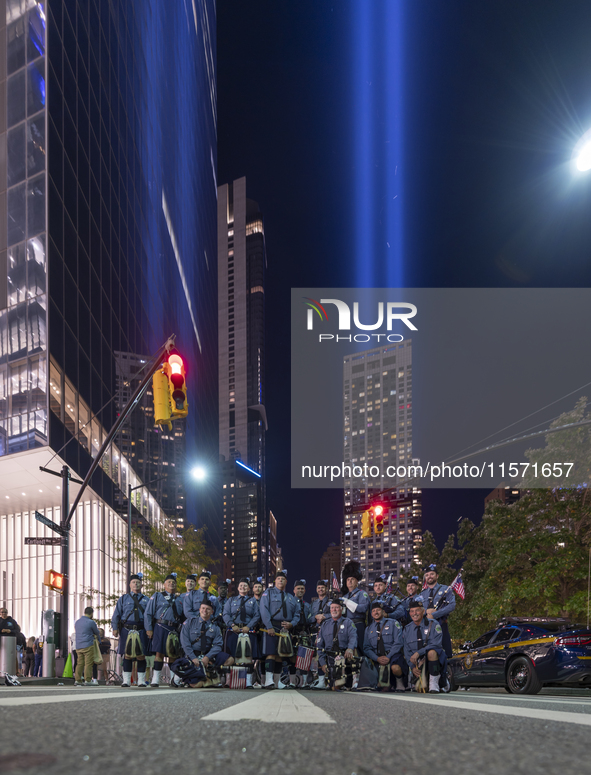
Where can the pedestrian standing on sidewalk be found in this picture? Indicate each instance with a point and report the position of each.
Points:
(38, 669)
(29, 657)
(85, 629)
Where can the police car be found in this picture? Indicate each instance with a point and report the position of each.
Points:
(523, 655)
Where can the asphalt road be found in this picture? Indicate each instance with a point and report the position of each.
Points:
(107, 730)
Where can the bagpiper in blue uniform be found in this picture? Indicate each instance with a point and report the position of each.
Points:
(279, 611)
(241, 615)
(222, 600)
(301, 633)
(202, 641)
(413, 589)
(162, 618)
(435, 595)
(190, 584)
(383, 644)
(423, 638)
(393, 607)
(129, 617)
(320, 608)
(337, 635)
(356, 601)
(193, 600)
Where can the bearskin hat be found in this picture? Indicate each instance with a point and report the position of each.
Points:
(353, 569)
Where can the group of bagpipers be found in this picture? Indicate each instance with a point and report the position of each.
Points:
(270, 638)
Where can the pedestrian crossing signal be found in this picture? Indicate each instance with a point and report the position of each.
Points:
(54, 580)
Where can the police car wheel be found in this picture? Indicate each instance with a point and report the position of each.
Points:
(522, 677)
(453, 687)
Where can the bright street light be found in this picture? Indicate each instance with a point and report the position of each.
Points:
(582, 152)
(199, 473)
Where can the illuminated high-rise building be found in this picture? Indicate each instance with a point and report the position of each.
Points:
(107, 244)
(377, 431)
(242, 416)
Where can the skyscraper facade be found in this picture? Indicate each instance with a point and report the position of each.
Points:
(377, 431)
(242, 416)
(107, 244)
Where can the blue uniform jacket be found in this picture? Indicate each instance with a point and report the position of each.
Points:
(272, 610)
(85, 630)
(124, 610)
(320, 607)
(193, 600)
(232, 611)
(347, 635)
(406, 603)
(163, 606)
(363, 601)
(191, 638)
(432, 638)
(395, 609)
(307, 614)
(391, 637)
(440, 591)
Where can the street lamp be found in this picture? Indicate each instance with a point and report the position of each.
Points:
(199, 473)
(582, 152)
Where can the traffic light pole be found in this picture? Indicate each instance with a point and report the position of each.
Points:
(65, 564)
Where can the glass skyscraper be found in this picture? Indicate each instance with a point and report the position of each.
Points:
(107, 245)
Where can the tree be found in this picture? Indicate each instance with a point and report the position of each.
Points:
(568, 446)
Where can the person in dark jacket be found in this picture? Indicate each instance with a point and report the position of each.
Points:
(8, 625)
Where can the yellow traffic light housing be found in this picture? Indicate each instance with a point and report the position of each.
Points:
(161, 396)
(178, 386)
(365, 524)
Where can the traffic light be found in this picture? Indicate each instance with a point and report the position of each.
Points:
(161, 396)
(365, 524)
(379, 514)
(54, 580)
(178, 385)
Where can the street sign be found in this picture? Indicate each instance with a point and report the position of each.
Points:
(48, 523)
(43, 541)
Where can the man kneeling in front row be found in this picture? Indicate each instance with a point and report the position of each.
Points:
(383, 645)
(337, 636)
(202, 642)
(422, 640)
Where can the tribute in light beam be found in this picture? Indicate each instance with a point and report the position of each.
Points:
(582, 152)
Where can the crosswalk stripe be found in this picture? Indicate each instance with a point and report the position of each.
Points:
(82, 696)
(503, 710)
(275, 707)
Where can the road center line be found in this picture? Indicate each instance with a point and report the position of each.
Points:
(503, 710)
(14, 701)
(276, 707)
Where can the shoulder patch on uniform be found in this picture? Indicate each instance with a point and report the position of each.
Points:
(398, 624)
(365, 594)
(437, 628)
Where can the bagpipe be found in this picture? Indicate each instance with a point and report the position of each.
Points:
(338, 668)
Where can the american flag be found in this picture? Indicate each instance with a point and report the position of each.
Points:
(389, 585)
(304, 658)
(335, 582)
(458, 587)
(424, 583)
(237, 678)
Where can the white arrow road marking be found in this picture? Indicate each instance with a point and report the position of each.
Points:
(275, 707)
(503, 710)
(14, 700)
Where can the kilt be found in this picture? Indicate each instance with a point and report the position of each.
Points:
(232, 640)
(270, 643)
(123, 640)
(161, 632)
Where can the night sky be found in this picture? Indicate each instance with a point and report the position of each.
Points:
(496, 96)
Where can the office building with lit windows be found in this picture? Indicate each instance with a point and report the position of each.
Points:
(377, 431)
(107, 245)
(242, 415)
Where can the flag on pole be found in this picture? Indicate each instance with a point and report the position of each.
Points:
(237, 678)
(424, 583)
(458, 587)
(389, 585)
(335, 582)
(304, 658)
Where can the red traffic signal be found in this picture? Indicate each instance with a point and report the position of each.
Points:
(178, 385)
(54, 580)
(379, 515)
